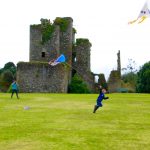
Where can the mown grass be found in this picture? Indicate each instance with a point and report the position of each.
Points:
(66, 122)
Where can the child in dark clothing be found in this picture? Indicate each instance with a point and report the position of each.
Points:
(100, 98)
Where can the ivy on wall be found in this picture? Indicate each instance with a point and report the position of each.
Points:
(47, 29)
(82, 41)
(62, 22)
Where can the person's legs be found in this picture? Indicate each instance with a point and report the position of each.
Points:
(16, 93)
(12, 93)
(95, 108)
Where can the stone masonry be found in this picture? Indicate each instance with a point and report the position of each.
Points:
(40, 77)
(114, 82)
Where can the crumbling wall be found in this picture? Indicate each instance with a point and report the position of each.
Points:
(119, 63)
(40, 77)
(83, 50)
(102, 81)
(81, 62)
(114, 82)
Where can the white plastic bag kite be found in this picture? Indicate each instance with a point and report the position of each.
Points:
(144, 13)
(60, 59)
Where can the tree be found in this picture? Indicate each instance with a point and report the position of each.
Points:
(7, 74)
(143, 80)
(129, 78)
(129, 81)
(131, 67)
(77, 85)
(10, 66)
(6, 79)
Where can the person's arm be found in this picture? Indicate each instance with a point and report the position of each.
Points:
(105, 97)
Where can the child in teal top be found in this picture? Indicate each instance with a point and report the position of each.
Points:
(15, 89)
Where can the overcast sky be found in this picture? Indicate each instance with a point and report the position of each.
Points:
(104, 23)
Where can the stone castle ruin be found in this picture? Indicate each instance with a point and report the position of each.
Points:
(114, 82)
(47, 41)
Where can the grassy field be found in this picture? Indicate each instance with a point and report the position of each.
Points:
(66, 122)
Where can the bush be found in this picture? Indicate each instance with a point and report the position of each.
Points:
(129, 81)
(77, 85)
(143, 80)
(6, 79)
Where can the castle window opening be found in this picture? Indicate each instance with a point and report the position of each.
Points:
(43, 54)
(96, 78)
(75, 59)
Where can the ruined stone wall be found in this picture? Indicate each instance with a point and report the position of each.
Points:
(82, 50)
(50, 48)
(119, 63)
(102, 81)
(114, 82)
(81, 62)
(35, 43)
(40, 77)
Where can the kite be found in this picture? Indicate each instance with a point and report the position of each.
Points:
(60, 59)
(144, 13)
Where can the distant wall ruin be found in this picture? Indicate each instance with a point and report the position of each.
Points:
(114, 81)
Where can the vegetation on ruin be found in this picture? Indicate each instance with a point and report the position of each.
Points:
(36, 26)
(47, 29)
(74, 30)
(82, 41)
(62, 22)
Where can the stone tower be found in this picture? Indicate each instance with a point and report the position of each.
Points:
(82, 50)
(81, 61)
(119, 63)
(114, 81)
(66, 39)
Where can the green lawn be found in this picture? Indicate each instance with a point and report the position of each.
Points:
(66, 122)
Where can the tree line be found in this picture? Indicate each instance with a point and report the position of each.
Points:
(135, 81)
